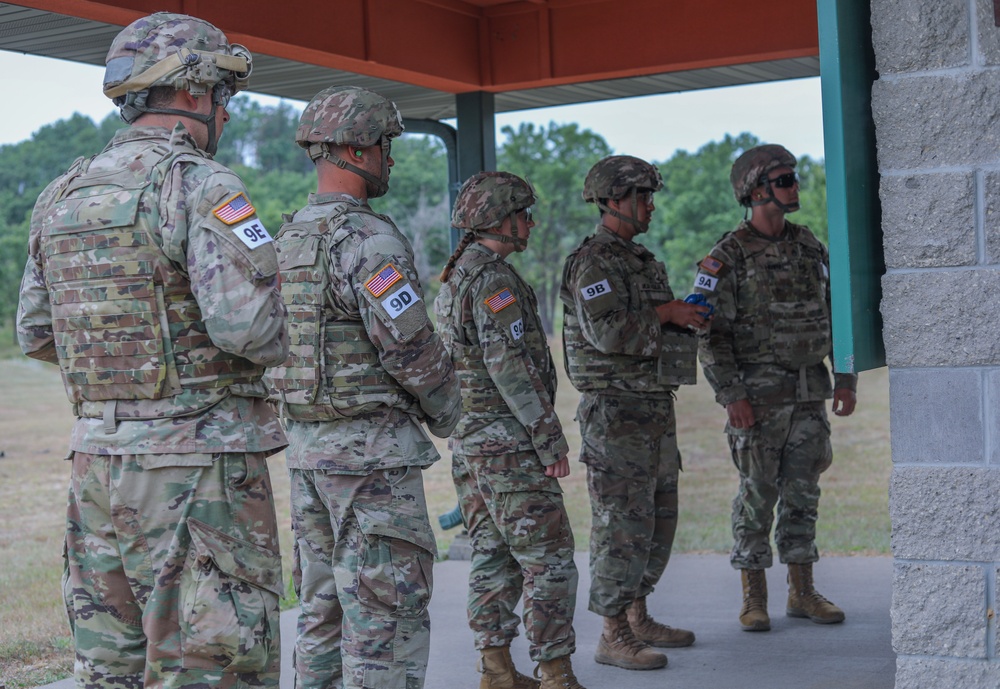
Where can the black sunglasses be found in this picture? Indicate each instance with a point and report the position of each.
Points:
(785, 181)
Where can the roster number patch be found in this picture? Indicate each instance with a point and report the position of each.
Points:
(598, 289)
(705, 281)
(400, 300)
(252, 233)
(517, 329)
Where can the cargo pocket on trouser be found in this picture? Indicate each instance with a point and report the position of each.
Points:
(229, 603)
(608, 577)
(394, 564)
(395, 580)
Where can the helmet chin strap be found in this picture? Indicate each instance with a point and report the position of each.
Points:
(212, 146)
(520, 244)
(374, 186)
(640, 226)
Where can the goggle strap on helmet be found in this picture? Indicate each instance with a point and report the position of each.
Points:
(176, 62)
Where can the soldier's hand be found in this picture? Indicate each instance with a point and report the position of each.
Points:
(844, 401)
(740, 414)
(558, 470)
(679, 312)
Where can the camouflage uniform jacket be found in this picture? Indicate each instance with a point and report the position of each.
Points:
(612, 335)
(216, 300)
(489, 321)
(771, 331)
(372, 282)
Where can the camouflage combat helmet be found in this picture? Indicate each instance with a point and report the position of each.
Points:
(751, 170)
(179, 51)
(487, 198)
(350, 116)
(614, 178)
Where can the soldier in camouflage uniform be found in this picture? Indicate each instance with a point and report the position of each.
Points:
(153, 284)
(365, 368)
(508, 449)
(769, 281)
(627, 348)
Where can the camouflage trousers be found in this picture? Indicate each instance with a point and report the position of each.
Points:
(630, 449)
(172, 571)
(522, 544)
(780, 459)
(363, 556)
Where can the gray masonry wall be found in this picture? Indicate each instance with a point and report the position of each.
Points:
(937, 116)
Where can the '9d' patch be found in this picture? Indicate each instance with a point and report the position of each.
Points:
(400, 300)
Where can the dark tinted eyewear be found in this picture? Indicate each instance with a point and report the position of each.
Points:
(785, 181)
(527, 214)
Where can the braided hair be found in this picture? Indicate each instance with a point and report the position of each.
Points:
(467, 239)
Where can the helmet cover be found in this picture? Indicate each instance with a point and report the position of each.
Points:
(614, 177)
(752, 167)
(486, 198)
(348, 115)
(176, 50)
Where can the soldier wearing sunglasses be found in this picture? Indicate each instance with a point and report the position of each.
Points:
(764, 354)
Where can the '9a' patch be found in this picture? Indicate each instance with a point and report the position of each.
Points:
(400, 300)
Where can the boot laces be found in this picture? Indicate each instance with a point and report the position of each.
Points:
(565, 677)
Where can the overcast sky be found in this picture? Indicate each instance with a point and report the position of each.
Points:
(42, 90)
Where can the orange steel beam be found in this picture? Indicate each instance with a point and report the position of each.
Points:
(486, 45)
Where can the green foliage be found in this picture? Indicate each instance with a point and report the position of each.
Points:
(419, 203)
(692, 212)
(555, 160)
(262, 137)
(695, 207)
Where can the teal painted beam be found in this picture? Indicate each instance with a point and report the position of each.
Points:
(857, 261)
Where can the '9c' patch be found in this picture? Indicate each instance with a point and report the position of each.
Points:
(517, 329)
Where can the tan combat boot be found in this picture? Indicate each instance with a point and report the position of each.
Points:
(805, 601)
(653, 633)
(753, 614)
(499, 672)
(557, 674)
(618, 646)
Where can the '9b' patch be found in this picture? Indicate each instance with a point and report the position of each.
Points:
(598, 289)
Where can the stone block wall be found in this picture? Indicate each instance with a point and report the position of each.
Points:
(936, 106)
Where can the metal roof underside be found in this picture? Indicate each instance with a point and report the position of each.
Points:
(37, 32)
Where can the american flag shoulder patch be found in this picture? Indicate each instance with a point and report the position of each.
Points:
(382, 280)
(235, 209)
(500, 300)
(712, 265)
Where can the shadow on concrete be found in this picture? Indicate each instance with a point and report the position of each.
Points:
(702, 593)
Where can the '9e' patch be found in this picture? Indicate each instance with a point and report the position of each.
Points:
(252, 233)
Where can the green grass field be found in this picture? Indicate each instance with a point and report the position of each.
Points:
(35, 419)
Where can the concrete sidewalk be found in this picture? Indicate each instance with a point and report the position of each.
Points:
(702, 593)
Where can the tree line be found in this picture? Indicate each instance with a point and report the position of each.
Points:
(694, 209)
